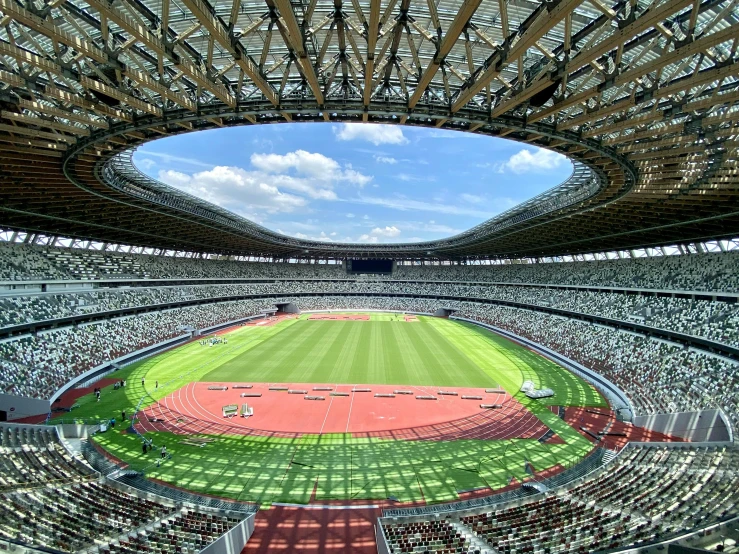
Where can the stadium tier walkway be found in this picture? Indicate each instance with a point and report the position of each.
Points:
(314, 530)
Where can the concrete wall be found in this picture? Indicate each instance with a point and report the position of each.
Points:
(18, 407)
(234, 541)
(382, 546)
(76, 430)
(700, 426)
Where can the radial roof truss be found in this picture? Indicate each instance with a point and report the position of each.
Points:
(639, 91)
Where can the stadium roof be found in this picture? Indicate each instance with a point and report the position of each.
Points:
(641, 95)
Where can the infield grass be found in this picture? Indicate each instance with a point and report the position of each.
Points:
(337, 466)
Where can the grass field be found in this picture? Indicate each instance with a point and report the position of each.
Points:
(337, 466)
(381, 352)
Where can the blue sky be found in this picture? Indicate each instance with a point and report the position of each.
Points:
(354, 182)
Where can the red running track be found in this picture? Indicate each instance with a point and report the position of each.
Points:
(339, 317)
(196, 409)
(614, 434)
(314, 531)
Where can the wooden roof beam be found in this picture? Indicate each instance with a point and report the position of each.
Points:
(76, 100)
(296, 41)
(11, 79)
(129, 100)
(466, 11)
(37, 134)
(24, 56)
(662, 61)
(544, 22)
(50, 30)
(142, 34)
(45, 123)
(697, 79)
(649, 18)
(84, 119)
(372, 31)
(146, 81)
(225, 39)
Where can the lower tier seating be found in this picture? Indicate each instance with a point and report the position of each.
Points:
(646, 495)
(52, 500)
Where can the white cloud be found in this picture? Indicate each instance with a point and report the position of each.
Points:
(305, 163)
(277, 183)
(471, 198)
(321, 236)
(308, 164)
(350, 215)
(386, 231)
(146, 163)
(355, 177)
(408, 178)
(370, 132)
(246, 193)
(386, 160)
(170, 159)
(533, 161)
(175, 178)
(407, 204)
(430, 227)
(379, 234)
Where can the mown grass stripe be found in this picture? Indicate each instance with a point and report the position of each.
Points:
(384, 350)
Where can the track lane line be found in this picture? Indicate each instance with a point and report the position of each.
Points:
(349, 417)
(327, 411)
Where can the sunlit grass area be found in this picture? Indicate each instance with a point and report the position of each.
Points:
(338, 466)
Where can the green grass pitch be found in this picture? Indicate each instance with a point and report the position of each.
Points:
(384, 350)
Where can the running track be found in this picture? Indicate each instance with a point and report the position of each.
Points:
(193, 409)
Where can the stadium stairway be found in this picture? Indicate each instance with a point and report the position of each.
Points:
(609, 455)
(473, 542)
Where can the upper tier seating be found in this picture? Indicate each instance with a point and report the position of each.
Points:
(699, 272)
(646, 495)
(30, 263)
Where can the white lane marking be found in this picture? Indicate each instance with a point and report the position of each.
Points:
(349, 417)
(327, 411)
